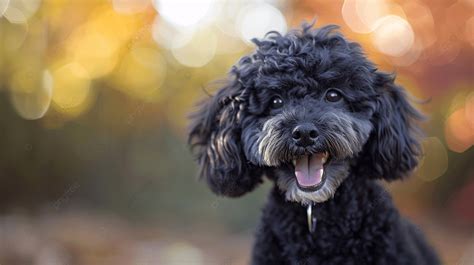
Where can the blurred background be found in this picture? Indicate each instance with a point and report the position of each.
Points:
(94, 94)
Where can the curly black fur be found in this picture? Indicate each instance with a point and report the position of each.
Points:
(369, 133)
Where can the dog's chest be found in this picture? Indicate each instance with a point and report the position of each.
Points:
(328, 240)
(354, 236)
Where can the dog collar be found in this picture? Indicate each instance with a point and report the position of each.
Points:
(311, 219)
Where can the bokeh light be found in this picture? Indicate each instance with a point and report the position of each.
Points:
(183, 12)
(169, 36)
(255, 20)
(71, 88)
(96, 44)
(31, 91)
(142, 72)
(228, 11)
(15, 15)
(435, 159)
(198, 51)
(3, 6)
(14, 36)
(130, 6)
(422, 21)
(410, 56)
(362, 15)
(19, 11)
(393, 35)
(458, 131)
(182, 252)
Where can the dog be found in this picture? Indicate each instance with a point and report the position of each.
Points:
(311, 113)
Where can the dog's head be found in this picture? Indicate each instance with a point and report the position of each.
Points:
(306, 108)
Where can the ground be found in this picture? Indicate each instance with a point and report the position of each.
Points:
(93, 238)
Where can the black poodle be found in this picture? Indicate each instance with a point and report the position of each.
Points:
(311, 113)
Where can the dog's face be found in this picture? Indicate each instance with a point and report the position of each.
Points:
(308, 130)
(308, 109)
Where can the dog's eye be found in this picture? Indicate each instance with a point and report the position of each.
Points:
(276, 103)
(333, 95)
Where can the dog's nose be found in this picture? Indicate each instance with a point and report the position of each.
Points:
(304, 134)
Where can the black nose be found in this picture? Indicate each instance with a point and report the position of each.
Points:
(304, 134)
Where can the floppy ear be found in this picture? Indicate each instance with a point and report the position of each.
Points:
(393, 148)
(215, 138)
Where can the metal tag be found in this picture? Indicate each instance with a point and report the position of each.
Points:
(311, 219)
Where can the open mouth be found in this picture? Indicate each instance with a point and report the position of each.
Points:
(309, 171)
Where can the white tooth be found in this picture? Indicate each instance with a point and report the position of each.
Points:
(294, 162)
(324, 159)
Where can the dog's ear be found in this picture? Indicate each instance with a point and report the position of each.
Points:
(393, 148)
(215, 139)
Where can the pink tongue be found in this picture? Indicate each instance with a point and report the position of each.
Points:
(309, 170)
